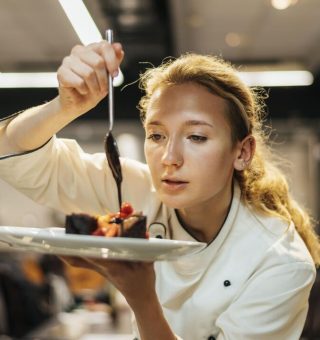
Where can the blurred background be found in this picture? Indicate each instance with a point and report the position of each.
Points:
(254, 35)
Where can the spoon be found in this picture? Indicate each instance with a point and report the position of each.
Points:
(110, 144)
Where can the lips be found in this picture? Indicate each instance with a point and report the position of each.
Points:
(173, 180)
(170, 181)
(173, 184)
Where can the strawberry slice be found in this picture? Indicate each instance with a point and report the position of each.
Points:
(126, 209)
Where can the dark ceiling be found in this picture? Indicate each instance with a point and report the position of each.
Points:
(40, 36)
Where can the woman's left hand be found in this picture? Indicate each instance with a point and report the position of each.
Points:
(135, 280)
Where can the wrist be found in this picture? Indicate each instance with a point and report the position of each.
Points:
(143, 304)
(151, 320)
(62, 111)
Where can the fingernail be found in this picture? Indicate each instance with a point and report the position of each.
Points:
(115, 73)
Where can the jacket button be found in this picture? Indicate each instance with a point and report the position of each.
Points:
(211, 337)
(227, 283)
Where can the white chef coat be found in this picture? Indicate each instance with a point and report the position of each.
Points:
(252, 282)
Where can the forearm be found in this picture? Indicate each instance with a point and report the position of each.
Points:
(151, 321)
(33, 127)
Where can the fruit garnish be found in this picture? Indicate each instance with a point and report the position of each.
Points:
(126, 209)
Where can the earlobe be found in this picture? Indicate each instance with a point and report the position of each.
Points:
(245, 153)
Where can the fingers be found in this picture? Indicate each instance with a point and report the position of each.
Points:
(86, 68)
(69, 79)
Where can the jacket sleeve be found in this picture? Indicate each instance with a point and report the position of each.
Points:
(272, 305)
(62, 176)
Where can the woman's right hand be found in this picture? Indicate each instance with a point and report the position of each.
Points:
(83, 76)
(83, 83)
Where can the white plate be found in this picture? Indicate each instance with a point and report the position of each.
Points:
(55, 241)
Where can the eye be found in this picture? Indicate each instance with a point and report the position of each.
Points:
(155, 137)
(197, 138)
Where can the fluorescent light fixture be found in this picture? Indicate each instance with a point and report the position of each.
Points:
(251, 78)
(81, 21)
(277, 78)
(38, 80)
(28, 80)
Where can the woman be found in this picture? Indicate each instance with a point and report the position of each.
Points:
(209, 177)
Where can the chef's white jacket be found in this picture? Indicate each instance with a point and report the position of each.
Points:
(252, 282)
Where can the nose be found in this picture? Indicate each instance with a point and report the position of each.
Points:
(172, 155)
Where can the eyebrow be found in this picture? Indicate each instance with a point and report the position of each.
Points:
(193, 122)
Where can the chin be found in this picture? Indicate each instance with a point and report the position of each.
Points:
(175, 202)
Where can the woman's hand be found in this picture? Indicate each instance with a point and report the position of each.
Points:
(83, 76)
(135, 280)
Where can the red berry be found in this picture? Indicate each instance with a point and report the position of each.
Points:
(126, 209)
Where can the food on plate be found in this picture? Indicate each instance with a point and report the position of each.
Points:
(125, 223)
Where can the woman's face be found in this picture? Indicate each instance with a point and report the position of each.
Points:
(188, 146)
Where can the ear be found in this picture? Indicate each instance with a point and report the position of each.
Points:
(245, 152)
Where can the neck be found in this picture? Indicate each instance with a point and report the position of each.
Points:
(204, 222)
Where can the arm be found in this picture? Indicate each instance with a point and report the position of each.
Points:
(150, 319)
(136, 281)
(82, 84)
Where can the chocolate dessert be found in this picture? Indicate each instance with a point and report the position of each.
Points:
(125, 223)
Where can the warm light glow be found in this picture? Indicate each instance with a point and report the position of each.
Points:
(38, 80)
(282, 4)
(81, 21)
(277, 78)
(233, 39)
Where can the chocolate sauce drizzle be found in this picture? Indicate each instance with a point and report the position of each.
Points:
(112, 153)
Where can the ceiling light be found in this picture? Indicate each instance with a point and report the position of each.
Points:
(282, 4)
(38, 80)
(28, 80)
(277, 78)
(81, 21)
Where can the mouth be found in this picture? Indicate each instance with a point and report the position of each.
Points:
(174, 184)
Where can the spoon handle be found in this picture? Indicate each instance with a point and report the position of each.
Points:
(109, 38)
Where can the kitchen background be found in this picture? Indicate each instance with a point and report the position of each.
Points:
(254, 35)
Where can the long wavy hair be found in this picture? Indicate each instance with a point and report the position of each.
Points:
(263, 185)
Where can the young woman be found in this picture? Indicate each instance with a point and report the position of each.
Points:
(209, 177)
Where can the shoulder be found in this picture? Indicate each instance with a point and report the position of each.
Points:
(279, 239)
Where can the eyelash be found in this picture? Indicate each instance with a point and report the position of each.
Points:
(197, 138)
(156, 137)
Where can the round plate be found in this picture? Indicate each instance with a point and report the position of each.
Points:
(56, 241)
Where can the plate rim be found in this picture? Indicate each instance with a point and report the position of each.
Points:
(40, 237)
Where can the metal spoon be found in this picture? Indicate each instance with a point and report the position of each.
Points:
(110, 144)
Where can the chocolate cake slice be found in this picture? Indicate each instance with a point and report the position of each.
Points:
(83, 224)
(125, 223)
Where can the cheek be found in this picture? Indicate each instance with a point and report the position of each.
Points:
(152, 160)
(215, 163)
(148, 154)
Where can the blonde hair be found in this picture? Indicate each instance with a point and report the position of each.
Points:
(262, 184)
